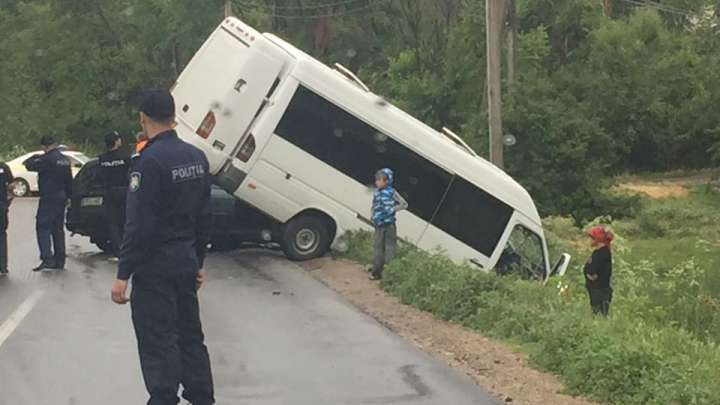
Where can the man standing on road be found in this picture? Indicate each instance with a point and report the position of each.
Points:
(6, 183)
(115, 164)
(169, 218)
(55, 182)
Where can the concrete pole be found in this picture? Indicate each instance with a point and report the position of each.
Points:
(511, 39)
(494, 14)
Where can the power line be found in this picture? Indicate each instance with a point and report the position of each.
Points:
(306, 7)
(247, 7)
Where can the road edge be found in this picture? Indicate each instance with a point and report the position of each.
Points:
(489, 363)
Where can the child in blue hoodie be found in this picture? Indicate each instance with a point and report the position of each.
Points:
(386, 203)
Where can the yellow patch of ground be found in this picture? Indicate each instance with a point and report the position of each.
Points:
(654, 190)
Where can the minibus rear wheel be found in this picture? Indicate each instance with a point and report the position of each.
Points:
(305, 238)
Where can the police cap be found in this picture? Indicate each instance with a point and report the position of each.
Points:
(47, 140)
(111, 138)
(158, 104)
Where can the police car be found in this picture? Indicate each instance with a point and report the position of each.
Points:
(236, 223)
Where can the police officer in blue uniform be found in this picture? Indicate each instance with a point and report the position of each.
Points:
(55, 182)
(6, 184)
(115, 166)
(169, 219)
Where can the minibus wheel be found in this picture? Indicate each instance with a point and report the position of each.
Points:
(305, 238)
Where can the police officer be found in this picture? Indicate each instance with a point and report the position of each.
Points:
(6, 183)
(169, 218)
(115, 164)
(55, 181)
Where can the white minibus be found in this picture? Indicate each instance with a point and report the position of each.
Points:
(300, 142)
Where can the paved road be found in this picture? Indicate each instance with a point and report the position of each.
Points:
(276, 337)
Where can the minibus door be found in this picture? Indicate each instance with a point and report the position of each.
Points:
(227, 121)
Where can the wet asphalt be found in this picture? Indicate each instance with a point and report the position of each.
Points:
(276, 336)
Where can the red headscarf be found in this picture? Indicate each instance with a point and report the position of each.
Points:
(601, 235)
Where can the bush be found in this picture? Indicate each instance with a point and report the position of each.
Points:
(12, 153)
(360, 247)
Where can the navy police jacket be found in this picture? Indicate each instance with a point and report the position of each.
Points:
(54, 172)
(169, 213)
(115, 165)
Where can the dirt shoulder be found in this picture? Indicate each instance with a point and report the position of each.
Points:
(494, 366)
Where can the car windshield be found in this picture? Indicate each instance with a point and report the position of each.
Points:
(523, 255)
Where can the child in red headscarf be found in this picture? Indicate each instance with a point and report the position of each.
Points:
(598, 270)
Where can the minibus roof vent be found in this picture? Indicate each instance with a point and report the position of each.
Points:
(350, 75)
(458, 141)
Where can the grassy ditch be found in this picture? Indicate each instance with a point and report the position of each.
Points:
(660, 344)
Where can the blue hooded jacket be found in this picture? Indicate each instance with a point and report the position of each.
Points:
(383, 206)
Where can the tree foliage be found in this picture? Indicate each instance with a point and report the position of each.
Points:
(596, 93)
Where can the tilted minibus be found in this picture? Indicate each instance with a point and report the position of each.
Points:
(300, 142)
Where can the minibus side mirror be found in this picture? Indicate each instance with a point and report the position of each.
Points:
(561, 265)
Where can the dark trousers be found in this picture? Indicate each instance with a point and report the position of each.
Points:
(115, 221)
(166, 317)
(3, 238)
(50, 228)
(600, 299)
(385, 242)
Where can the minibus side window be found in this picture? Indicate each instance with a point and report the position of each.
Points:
(358, 150)
(473, 216)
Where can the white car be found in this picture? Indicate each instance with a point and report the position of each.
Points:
(27, 181)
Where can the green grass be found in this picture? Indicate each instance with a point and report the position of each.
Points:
(670, 231)
(660, 344)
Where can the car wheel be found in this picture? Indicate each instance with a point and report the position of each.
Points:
(305, 238)
(22, 188)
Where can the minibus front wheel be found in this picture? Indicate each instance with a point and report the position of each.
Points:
(305, 237)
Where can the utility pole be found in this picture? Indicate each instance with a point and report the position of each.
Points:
(494, 15)
(228, 8)
(511, 39)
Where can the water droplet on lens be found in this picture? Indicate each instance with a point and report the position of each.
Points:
(380, 137)
(338, 132)
(227, 113)
(215, 105)
(413, 181)
(381, 149)
(129, 11)
(342, 247)
(351, 53)
(39, 52)
(111, 96)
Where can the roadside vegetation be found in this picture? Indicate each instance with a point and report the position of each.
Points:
(660, 344)
(596, 92)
